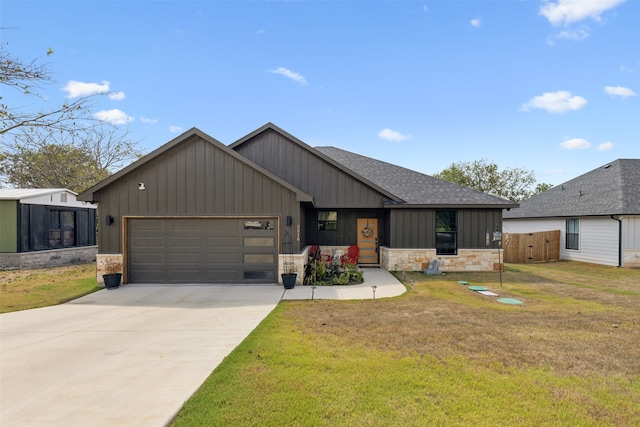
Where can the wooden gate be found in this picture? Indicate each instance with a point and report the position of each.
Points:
(526, 248)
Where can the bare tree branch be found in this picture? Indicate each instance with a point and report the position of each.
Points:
(62, 147)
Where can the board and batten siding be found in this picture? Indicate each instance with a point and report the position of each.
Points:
(415, 228)
(347, 232)
(192, 179)
(330, 186)
(598, 237)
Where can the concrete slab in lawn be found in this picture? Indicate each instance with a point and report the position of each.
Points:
(127, 357)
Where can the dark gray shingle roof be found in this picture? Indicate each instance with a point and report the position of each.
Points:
(612, 189)
(413, 187)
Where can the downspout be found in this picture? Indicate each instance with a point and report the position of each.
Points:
(617, 218)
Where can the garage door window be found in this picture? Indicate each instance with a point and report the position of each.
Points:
(259, 275)
(259, 225)
(259, 241)
(258, 258)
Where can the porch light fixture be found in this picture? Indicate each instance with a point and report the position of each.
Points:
(141, 186)
(109, 220)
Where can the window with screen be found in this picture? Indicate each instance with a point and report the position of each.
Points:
(446, 232)
(62, 228)
(327, 221)
(573, 228)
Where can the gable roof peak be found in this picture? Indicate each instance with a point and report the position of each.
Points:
(270, 126)
(88, 195)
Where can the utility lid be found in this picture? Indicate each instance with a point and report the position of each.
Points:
(509, 301)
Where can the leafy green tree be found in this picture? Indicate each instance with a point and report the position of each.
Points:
(541, 188)
(51, 166)
(76, 160)
(514, 184)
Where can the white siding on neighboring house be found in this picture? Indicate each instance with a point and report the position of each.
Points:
(598, 237)
(631, 241)
(533, 225)
(598, 242)
(631, 232)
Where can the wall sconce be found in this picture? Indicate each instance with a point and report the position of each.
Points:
(109, 220)
(141, 186)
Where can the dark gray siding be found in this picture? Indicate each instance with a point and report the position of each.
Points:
(347, 232)
(415, 228)
(330, 186)
(194, 178)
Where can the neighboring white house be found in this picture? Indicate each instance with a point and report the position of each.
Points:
(598, 215)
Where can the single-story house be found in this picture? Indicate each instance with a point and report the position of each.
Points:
(45, 227)
(598, 215)
(198, 211)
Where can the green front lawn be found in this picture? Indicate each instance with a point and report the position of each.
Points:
(25, 289)
(442, 355)
(438, 355)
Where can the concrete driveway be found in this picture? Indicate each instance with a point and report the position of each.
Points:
(127, 357)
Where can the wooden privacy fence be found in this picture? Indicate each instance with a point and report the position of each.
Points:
(526, 248)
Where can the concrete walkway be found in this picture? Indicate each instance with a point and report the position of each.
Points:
(133, 356)
(386, 286)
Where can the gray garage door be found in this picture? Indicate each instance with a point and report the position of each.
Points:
(202, 250)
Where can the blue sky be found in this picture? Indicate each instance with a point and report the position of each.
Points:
(551, 86)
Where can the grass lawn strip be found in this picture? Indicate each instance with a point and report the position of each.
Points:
(442, 355)
(26, 289)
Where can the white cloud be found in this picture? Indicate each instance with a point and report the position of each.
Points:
(147, 120)
(116, 96)
(76, 89)
(476, 22)
(298, 78)
(175, 129)
(115, 116)
(554, 172)
(575, 144)
(555, 102)
(619, 91)
(574, 35)
(393, 135)
(565, 12)
(605, 146)
(570, 35)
